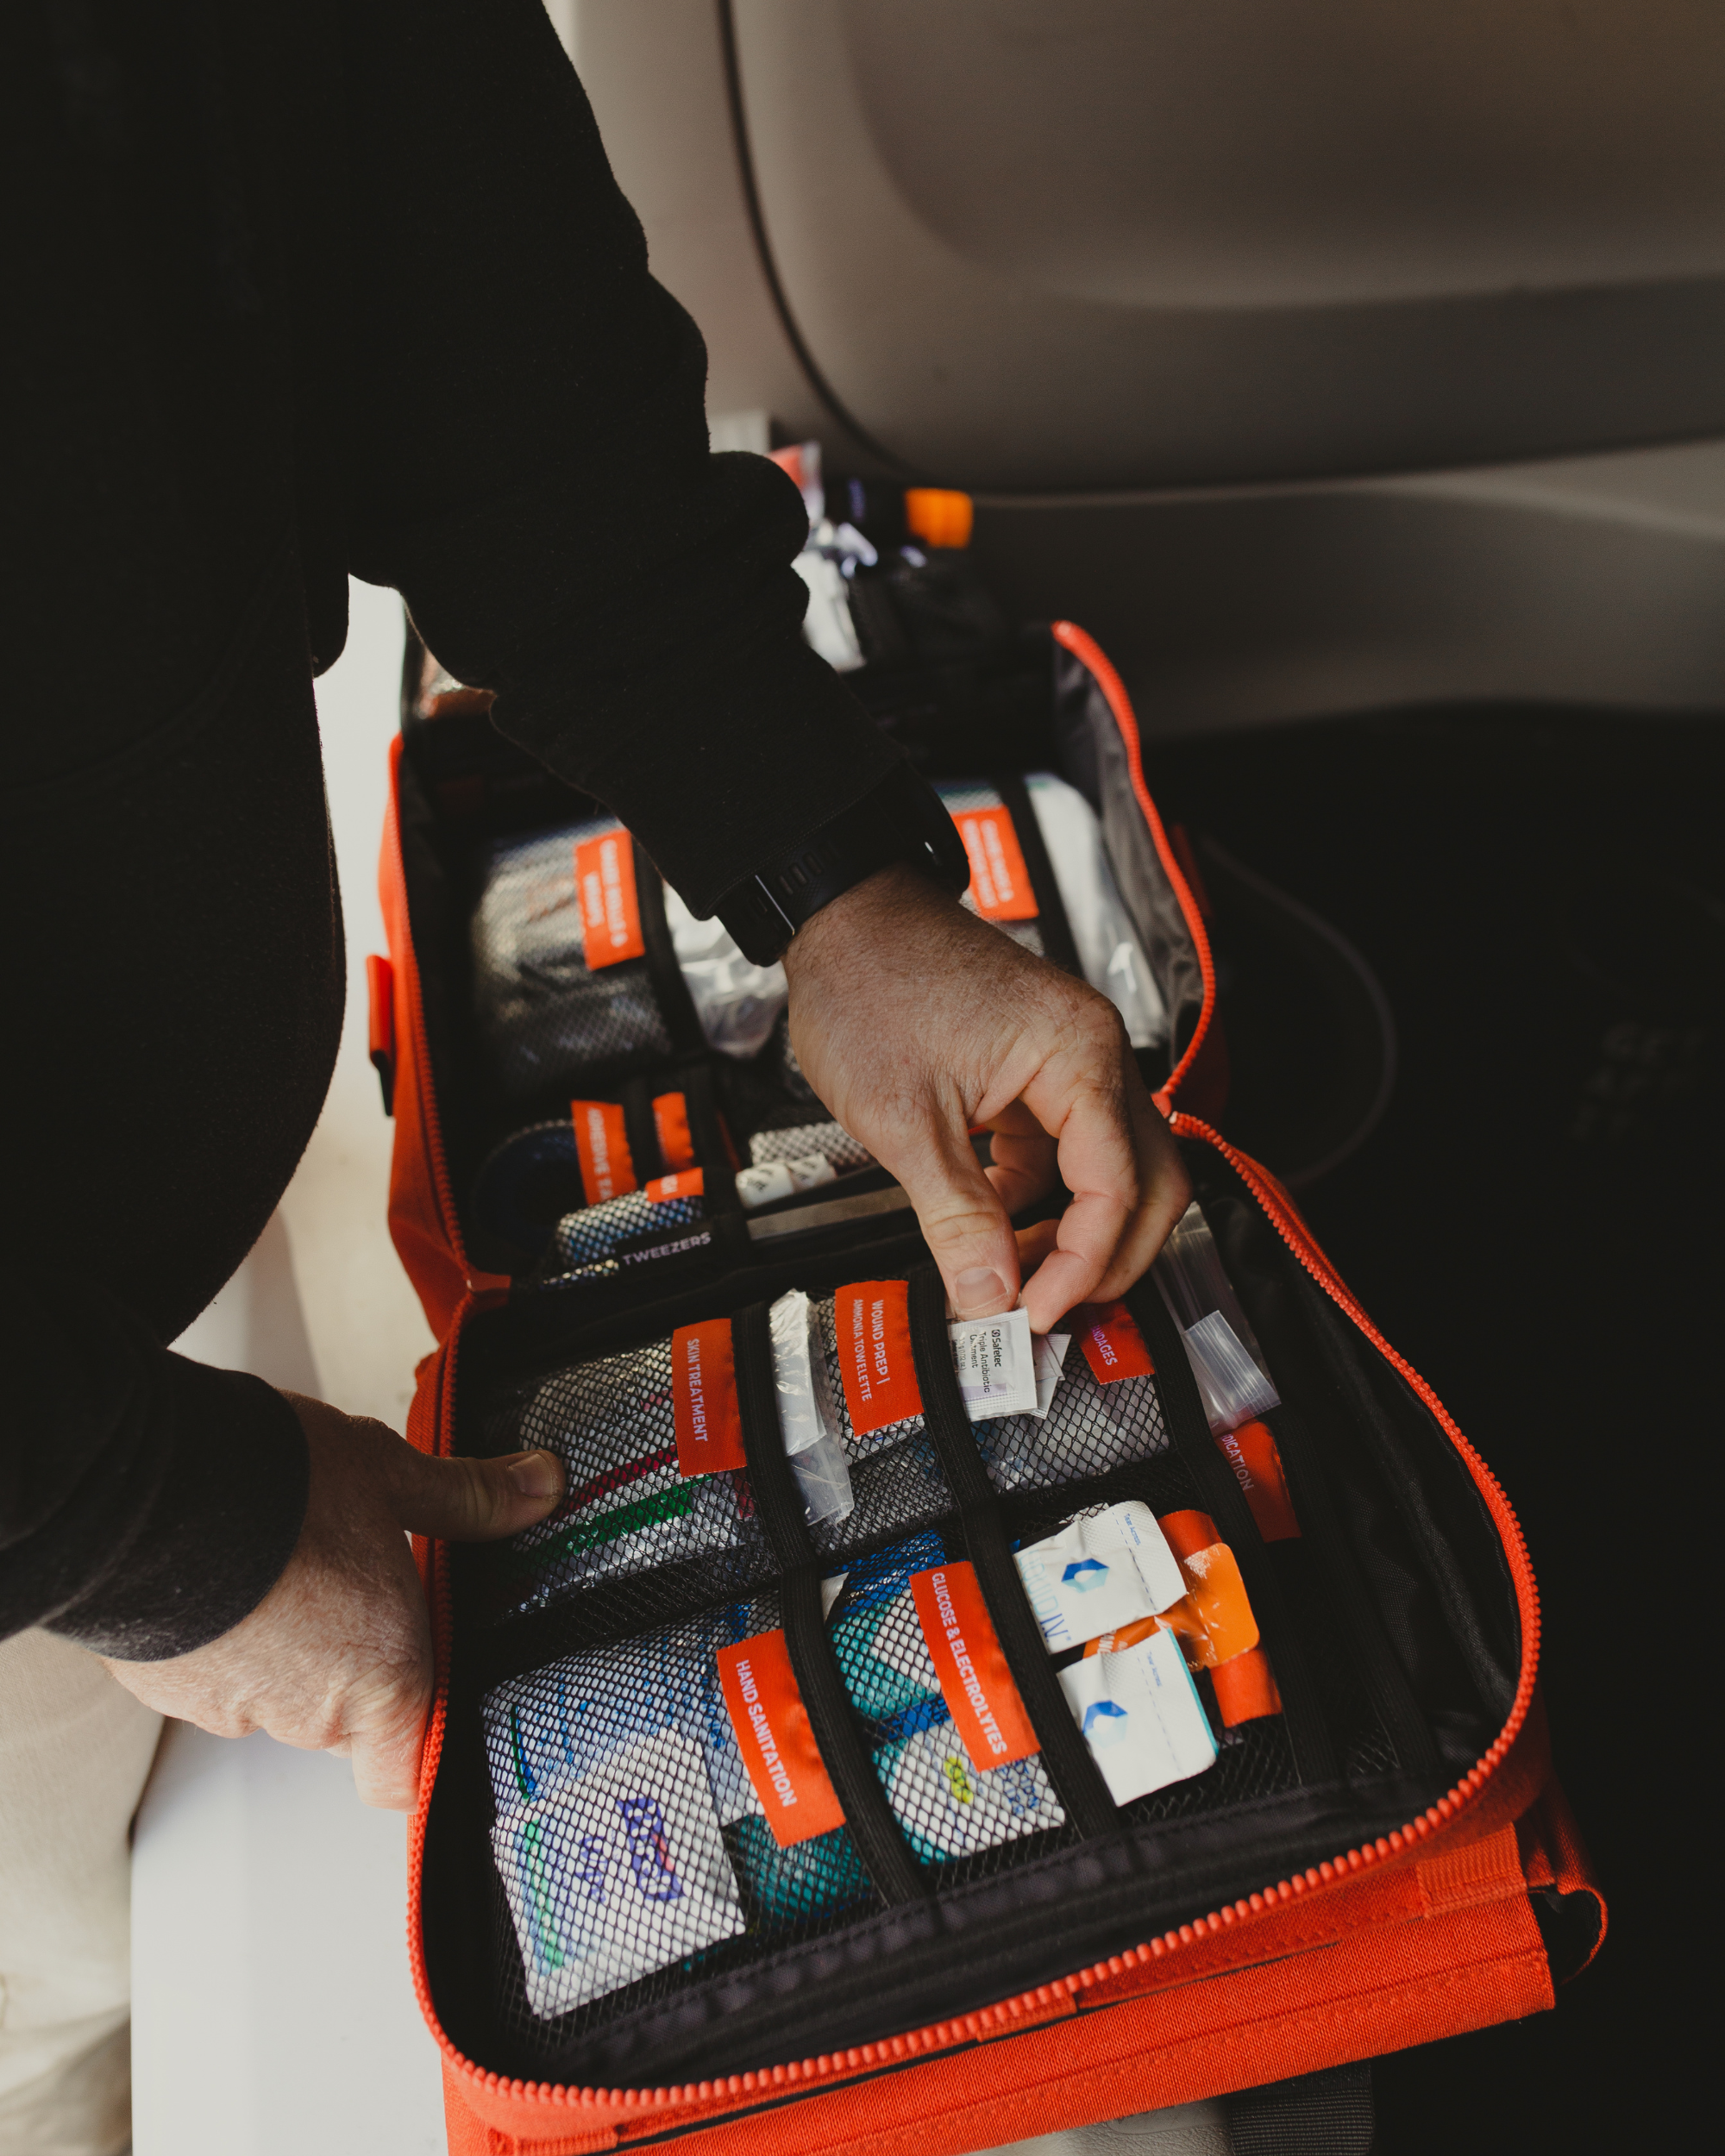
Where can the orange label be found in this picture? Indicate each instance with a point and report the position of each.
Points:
(602, 1141)
(1112, 1345)
(689, 1183)
(777, 1744)
(611, 911)
(1251, 1452)
(873, 1321)
(709, 1423)
(671, 1122)
(1000, 882)
(1213, 1620)
(974, 1680)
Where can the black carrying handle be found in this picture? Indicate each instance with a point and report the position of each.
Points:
(897, 1876)
(1066, 1758)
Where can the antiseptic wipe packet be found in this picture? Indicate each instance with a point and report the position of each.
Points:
(1101, 1571)
(1141, 1716)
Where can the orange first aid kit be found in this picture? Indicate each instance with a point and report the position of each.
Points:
(760, 1809)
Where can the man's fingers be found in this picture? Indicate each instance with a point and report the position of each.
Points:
(475, 1501)
(963, 1221)
(387, 1757)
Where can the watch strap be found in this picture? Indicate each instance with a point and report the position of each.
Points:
(903, 818)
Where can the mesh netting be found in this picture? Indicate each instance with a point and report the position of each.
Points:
(627, 1509)
(896, 1482)
(541, 1016)
(582, 1239)
(831, 1140)
(631, 1851)
(950, 1811)
(1089, 1429)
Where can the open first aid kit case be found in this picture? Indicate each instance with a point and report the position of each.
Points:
(905, 1730)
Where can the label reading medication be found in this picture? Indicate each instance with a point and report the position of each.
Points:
(871, 1319)
(1098, 1573)
(995, 1363)
(707, 1419)
(602, 1144)
(611, 908)
(775, 1739)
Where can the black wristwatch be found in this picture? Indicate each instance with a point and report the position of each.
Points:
(902, 819)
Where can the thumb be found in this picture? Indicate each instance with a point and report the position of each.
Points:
(963, 1221)
(475, 1501)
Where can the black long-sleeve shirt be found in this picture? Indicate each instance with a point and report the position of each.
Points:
(299, 292)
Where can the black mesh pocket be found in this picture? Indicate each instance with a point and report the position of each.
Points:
(959, 1817)
(632, 1853)
(1089, 1428)
(628, 1509)
(896, 1483)
(541, 1014)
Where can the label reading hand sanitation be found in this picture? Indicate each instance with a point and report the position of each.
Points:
(974, 1680)
(602, 1142)
(872, 1324)
(611, 908)
(708, 1422)
(775, 1739)
(995, 1366)
(1098, 1573)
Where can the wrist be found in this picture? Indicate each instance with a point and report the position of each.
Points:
(902, 821)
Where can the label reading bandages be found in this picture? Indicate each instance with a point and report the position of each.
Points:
(1000, 882)
(602, 1142)
(709, 1423)
(974, 1680)
(1112, 1345)
(872, 1324)
(611, 908)
(778, 1746)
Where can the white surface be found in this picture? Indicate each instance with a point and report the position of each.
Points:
(273, 2013)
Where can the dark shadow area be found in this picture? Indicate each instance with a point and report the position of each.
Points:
(1533, 1223)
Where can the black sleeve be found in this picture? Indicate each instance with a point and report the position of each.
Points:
(146, 1503)
(530, 463)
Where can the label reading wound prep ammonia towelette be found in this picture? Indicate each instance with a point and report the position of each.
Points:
(1100, 1573)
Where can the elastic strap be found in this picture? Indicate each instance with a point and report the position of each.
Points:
(889, 1862)
(676, 1005)
(1050, 913)
(1065, 1756)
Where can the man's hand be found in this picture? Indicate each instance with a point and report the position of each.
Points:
(337, 1656)
(916, 1022)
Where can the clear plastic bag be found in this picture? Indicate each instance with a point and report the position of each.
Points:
(817, 1458)
(738, 1002)
(1233, 1378)
(1102, 931)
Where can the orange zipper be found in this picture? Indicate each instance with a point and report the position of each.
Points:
(621, 2105)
